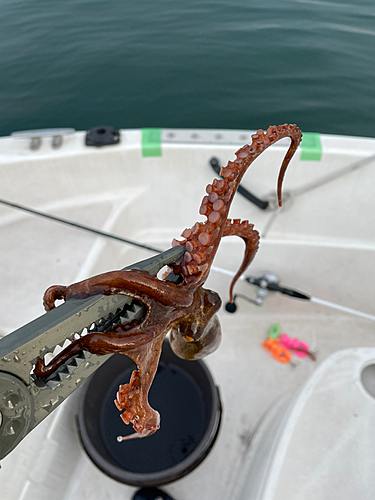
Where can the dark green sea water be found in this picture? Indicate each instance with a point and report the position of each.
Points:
(192, 63)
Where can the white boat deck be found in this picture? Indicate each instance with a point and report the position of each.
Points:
(321, 243)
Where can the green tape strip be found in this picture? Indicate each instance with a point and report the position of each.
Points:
(311, 147)
(151, 142)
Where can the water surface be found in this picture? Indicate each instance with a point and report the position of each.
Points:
(197, 63)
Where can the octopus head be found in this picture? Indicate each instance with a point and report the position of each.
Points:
(199, 333)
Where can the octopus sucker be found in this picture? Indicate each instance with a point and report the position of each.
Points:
(204, 238)
(186, 233)
(177, 242)
(187, 257)
(213, 197)
(187, 310)
(203, 210)
(242, 154)
(192, 268)
(199, 258)
(227, 172)
(214, 217)
(218, 205)
(218, 184)
(192, 245)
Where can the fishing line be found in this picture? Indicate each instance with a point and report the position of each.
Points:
(77, 225)
(332, 177)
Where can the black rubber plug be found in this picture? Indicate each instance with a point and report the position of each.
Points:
(230, 307)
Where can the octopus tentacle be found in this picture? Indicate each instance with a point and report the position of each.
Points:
(53, 293)
(133, 397)
(120, 339)
(95, 342)
(134, 283)
(202, 240)
(251, 238)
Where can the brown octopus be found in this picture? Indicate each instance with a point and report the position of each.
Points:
(186, 310)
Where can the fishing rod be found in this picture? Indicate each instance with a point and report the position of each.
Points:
(77, 225)
(269, 282)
